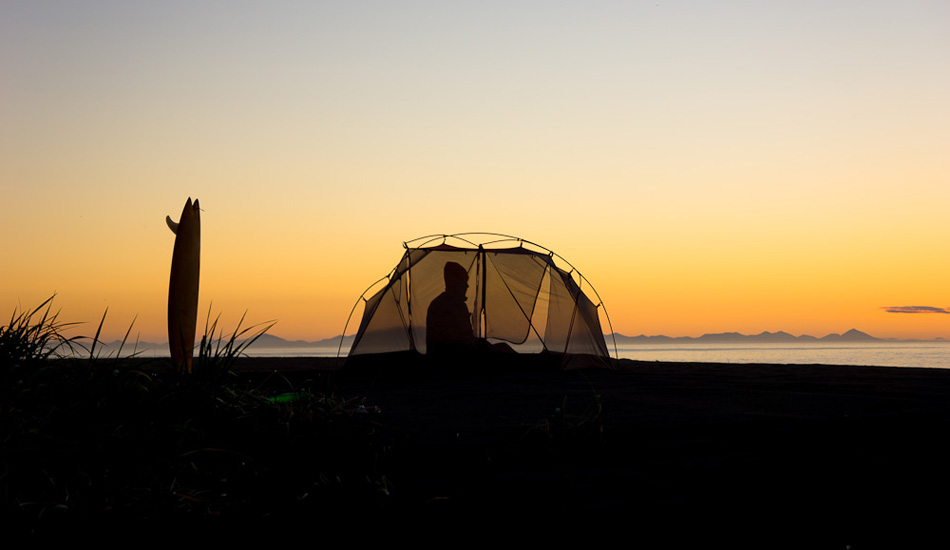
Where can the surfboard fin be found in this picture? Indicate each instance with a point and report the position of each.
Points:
(171, 225)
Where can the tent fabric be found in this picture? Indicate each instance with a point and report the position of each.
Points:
(516, 295)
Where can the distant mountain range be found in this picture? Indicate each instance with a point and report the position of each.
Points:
(852, 335)
(266, 341)
(269, 341)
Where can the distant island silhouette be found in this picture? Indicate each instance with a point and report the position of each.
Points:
(269, 341)
(766, 337)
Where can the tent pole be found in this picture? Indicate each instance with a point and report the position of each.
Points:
(570, 327)
(412, 340)
(482, 319)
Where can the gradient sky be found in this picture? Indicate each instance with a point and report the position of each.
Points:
(709, 166)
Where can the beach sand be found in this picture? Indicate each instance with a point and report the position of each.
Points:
(668, 454)
(804, 455)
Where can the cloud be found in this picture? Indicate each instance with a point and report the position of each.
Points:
(915, 309)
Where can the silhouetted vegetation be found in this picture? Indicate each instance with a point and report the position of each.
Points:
(89, 441)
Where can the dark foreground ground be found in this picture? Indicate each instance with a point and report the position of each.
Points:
(809, 455)
(667, 454)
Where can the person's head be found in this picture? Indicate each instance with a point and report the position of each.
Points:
(456, 278)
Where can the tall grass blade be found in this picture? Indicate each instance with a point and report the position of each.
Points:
(125, 339)
(95, 339)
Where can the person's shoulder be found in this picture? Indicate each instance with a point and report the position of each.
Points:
(438, 301)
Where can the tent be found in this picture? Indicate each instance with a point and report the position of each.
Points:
(518, 296)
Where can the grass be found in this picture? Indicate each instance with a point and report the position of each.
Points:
(91, 441)
(217, 354)
(35, 335)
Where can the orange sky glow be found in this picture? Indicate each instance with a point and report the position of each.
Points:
(742, 166)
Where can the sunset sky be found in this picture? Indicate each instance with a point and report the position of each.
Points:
(708, 166)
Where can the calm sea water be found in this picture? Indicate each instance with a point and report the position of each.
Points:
(885, 354)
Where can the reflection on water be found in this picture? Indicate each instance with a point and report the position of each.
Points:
(885, 354)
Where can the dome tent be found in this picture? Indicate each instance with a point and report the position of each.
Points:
(517, 296)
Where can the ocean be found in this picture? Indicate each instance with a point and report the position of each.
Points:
(884, 354)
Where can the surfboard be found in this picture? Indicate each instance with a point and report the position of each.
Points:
(183, 285)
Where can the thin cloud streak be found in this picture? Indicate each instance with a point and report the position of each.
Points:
(915, 309)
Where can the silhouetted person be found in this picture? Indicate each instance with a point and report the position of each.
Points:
(448, 320)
